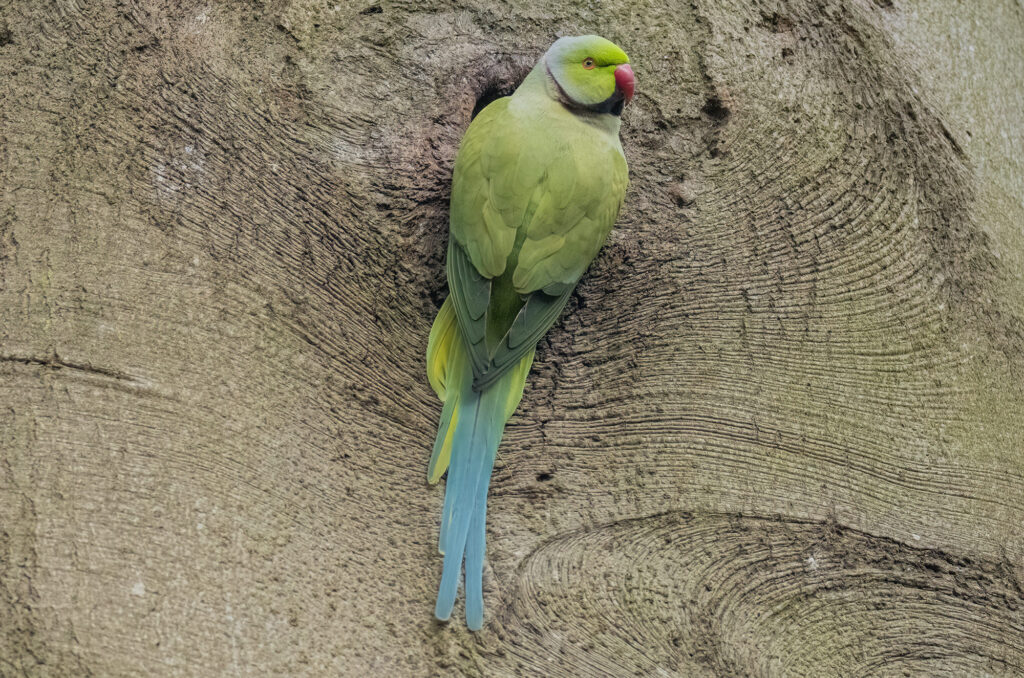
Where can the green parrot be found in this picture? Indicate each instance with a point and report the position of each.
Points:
(539, 180)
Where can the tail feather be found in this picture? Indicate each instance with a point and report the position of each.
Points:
(467, 441)
(473, 449)
(445, 355)
(475, 548)
(442, 453)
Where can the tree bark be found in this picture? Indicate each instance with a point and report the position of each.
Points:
(777, 432)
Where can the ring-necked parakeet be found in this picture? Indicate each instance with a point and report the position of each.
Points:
(539, 179)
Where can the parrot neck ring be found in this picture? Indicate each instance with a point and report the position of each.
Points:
(624, 83)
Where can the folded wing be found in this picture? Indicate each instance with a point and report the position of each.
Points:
(529, 213)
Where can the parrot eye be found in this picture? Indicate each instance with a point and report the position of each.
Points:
(588, 63)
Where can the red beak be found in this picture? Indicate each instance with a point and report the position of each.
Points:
(625, 81)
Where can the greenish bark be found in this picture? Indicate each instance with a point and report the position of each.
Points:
(778, 431)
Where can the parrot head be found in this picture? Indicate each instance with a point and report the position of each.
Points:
(591, 73)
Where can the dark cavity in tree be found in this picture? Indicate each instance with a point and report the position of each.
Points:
(716, 110)
(493, 92)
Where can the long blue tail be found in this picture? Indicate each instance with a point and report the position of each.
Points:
(467, 441)
(463, 524)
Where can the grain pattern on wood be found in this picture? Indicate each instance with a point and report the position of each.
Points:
(777, 432)
(717, 595)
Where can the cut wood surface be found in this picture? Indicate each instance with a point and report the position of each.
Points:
(779, 430)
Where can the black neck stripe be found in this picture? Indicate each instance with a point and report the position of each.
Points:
(612, 105)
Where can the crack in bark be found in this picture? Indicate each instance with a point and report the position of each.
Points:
(55, 363)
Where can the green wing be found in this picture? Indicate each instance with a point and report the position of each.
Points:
(493, 182)
(583, 191)
(528, 214)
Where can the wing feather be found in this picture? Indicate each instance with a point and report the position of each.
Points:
(566, 233)
(529, 212)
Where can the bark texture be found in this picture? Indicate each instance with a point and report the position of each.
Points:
(778, 431)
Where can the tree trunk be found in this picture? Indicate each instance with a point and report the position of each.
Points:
(777, 432)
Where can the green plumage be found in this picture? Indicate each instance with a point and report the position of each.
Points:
(536, 190)
(539, 180)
